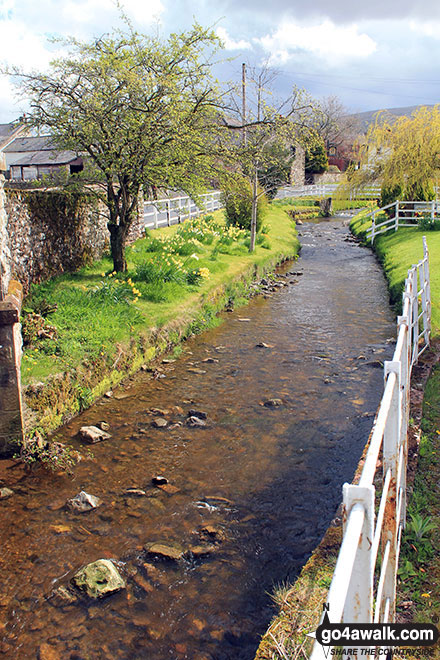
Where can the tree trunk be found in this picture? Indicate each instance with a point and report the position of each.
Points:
(117, 246)
(254, 212)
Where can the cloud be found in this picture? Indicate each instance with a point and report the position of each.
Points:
(431, 29)
(340, 11)
(334, 43)
(229, 43)
(88, 11)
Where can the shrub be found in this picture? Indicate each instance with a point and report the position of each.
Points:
(237, 198)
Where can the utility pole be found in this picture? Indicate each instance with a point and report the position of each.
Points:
(243, 113)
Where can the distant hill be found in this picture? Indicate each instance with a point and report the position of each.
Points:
(367, 118)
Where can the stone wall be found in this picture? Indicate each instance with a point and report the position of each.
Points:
(11, 417)
(327, 177)
(46, 233)
(5, 253)
(297, 171)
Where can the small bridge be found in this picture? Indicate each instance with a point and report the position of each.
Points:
(401, 214)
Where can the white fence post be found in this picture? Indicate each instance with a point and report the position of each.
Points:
(427, 283)
(397, 211)
(359, 603)
(391, 448)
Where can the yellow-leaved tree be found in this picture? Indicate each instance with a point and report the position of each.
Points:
(402, 154)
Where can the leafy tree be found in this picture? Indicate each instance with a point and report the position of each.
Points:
(142, 111)
(403, 154)
(316, 157)
(267, 130)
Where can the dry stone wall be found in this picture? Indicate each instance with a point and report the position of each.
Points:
(46, 233)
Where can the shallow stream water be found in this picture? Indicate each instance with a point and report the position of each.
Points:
(266, 479)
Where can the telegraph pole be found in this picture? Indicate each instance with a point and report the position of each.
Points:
(243, 112)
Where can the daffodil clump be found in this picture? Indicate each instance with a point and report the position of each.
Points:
(115, 289)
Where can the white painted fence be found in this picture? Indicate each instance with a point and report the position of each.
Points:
(355, 596)
(406, 214)
(173, 210)
(326, 189)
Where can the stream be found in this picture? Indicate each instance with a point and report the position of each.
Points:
(249, 495)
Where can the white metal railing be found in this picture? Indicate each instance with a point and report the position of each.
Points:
(354, 595)
(406, 214)
(173, 210)
(320, 190)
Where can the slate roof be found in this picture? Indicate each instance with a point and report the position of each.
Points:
(20, 144)
(47, 157)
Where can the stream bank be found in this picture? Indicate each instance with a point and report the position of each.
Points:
(286, 388)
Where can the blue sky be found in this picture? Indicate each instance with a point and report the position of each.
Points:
(371, 55)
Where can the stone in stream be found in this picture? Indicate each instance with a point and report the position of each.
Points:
(194, 370)
(195, 422)
(5, 493)
(159, 480)
(262, 344)
(273, 403)
(48, 652)
(164, 551)
(93, 434)
(196, 551)
(103, 426)
(159, 423)
(135, 492)
(83, 502)
(62, 596)
(212, 534)
(98, 579)
(198, 413)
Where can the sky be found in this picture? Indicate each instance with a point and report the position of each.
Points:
(372, 55)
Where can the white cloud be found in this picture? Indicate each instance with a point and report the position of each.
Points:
(90, 11)
(336, 43)
(431, 29)
(229, 43)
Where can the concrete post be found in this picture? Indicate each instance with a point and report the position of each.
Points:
(11, 413)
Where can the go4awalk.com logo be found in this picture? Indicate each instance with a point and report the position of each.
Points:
(353, 640)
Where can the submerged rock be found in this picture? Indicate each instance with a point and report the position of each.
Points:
(62, 596)
(98, 579)
(5, 493)
(83, 502)
(165, 551)
(93, 434)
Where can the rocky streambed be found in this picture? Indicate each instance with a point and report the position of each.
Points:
(213, 475)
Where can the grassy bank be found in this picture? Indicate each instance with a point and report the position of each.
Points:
(84, 332)
(397, 252)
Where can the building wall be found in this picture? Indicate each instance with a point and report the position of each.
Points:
(297, 171)
(43, 234)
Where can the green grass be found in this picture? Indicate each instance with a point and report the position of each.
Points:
(103, 326)
(398, 251)
(419, 572)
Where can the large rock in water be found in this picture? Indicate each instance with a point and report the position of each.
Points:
(83, 502)
(93, 434)
(98, 579)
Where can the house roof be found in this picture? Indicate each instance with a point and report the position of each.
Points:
(24, 144)
(7, 132)
(43, 158)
